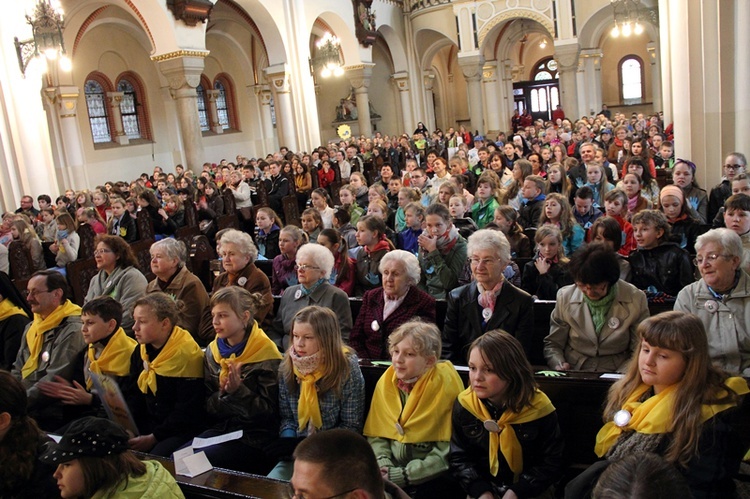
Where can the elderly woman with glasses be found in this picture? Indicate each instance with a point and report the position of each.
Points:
(489, 302)
(238, 254)
(593, 325)
(721, 298)
(314, 265)
(118, 276)
(385, 308)
(168, 263)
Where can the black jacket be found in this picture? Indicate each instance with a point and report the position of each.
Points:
(667, 268)
(268, 244)
(125, 228)
(545, 287)
(528, 216)
(463, 320)
(11, 334)
(716, 198)
(541, 443)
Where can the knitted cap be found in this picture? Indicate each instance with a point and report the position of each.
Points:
(672, 190)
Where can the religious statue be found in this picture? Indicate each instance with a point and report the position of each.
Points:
(364, 22)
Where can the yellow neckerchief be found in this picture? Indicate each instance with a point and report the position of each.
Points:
(9, 309)
(115, 357)
(181, 357)
(506, 439)
(39, 326)
(426, 415)
(308, 407)
(259, 347)
(654, 415)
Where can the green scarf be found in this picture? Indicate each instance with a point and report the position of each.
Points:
(600, 308)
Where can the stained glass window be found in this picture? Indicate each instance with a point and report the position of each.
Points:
(221, 105)
(129, 110)
(202, 110)
(96, 104)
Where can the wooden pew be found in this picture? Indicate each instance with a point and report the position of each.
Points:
(141, 250)
(79, 274)
(201, 253)
(87, 246)
(145, 226)
(21, 265)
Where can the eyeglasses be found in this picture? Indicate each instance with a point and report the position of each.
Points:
(293, 495)
(305, 268)
(487, 262)
(102, 251)
(36, 292)
(734, 167)
(593, 288)
(710, 258)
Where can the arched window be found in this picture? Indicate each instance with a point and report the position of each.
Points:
(631, 80)
(203, 104)
(546, 69)
(129, 110)
(96, 104)
(225, 106)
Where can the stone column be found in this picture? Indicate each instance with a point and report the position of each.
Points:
(213, 113)
(471, 66)
(665, 60)
(183, 72)
(360, 81)
(509, 101)
(429, 97)
(402, 83)
(65, 102)
(263, 94)
(114, 99)
(566, 55)
(592, 81)
(278, 75)
(653, 56)
(489, 80)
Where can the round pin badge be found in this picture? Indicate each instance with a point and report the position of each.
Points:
(45, 356)
(375, 326)
(242, 281)
(298, 294)
(491, 426)
(622, 418)
(613, 322)
(400, 429)
(486, 314)
(109, 283)
(145, 366)
(711, 306)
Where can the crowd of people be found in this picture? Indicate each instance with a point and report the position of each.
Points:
(570, 213)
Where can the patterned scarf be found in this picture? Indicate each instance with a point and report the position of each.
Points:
(600, 308)
(308, 371)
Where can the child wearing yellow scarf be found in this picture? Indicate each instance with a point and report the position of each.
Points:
(505, 434)
(241, 374)
(409, 424)
(166, 393)
(674, 403)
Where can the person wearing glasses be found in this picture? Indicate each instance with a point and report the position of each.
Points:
(734, 164)
(314, 266)
(489, 302)
(118, 276)
(52, 346)
(721, 298)
(593, 325)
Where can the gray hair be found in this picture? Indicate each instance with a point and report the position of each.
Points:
(172, 248)
(405, 258)
(491, 240)
(243, 242)
(726, 238)
(320, 255)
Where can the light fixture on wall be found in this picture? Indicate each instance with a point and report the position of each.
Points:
(328, 57)
(543, 43)
(628, 15)
(47, 41)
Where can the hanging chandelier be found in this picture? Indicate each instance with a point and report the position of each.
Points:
(328, 57)
(628, 16)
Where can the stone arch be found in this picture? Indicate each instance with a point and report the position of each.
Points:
(506, 36)
(396, 48)
(350, 48)
(275, 48)
(598, 25)
(433, 43)
(496, 21)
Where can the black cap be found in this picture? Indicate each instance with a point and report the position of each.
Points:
(87, 437)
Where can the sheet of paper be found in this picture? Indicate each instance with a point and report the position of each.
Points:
(56, 438)
(612, 376)
(200, 443)
(195, 465)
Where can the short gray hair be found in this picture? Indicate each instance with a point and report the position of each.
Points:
(243, 242)
(320, 255)
(726, 238)
(172, 248)
(492, 240)
(405, 258)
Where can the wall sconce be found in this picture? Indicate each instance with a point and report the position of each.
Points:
(46, 28)
(627, 15)
(543, 43)
(328, 57)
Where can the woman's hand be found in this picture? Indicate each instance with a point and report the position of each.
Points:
(563, 366)
(542, 265)
(234, 380)
(427, 242)
(144, 443)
